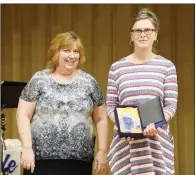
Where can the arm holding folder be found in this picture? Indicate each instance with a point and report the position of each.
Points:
(169, 99)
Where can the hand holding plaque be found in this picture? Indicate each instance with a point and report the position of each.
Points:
(131, 121)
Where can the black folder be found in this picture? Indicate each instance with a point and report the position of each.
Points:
(132, 120)
(10, 93)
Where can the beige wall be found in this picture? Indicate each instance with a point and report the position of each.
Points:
(27, 30)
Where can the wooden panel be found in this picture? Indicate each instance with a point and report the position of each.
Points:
(61, 18)
(102, 55)
(17, 46)
(121, 35)
(185, 66)
(40, 38)
(166, 35)
(7, 47)
(83, 26)
(167, 48)
(26, 36)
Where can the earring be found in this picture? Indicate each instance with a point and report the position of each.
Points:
(131, 43)
(155, 43)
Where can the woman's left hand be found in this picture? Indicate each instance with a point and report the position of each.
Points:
(100, 162)
(151, 130)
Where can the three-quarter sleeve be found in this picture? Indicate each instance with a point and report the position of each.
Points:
(97, 95)
(170, 91)
(31, 91)
(112, 93)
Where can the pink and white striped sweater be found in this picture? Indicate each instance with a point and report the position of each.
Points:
(132, 84)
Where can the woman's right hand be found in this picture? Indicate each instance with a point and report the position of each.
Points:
(123, 138)
(28, 159)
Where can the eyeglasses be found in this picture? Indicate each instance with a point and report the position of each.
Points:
(138, 32)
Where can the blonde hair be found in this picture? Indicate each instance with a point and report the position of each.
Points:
(62, 41)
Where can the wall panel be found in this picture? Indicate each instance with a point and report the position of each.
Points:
(104, 29)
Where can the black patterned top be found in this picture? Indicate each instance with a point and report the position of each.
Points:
(62, 126)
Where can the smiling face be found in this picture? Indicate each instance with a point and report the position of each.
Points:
(143, 34)
(69, 58)
(66, 52)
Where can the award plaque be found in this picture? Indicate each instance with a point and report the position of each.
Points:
(132, 120)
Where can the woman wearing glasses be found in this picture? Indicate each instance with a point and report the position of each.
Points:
(56, 112)
(140, 76)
